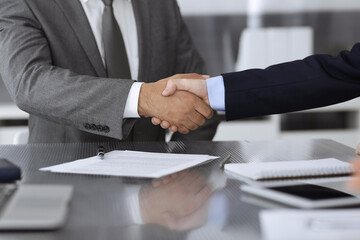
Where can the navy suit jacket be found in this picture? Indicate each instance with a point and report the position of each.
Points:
(315, 81)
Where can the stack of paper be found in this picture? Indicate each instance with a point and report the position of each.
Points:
(132, 164)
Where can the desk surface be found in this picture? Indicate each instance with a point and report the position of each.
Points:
(105, 207)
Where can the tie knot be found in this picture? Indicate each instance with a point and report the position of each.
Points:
(108, 2)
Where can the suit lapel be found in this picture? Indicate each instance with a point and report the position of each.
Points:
(77, 19)
(143, 23)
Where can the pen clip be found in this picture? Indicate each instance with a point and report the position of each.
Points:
(223, 162)
(101, 152)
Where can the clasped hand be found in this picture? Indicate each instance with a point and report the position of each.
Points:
(177, 202)
(182, 110)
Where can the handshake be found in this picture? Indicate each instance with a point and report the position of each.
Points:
(179, 102)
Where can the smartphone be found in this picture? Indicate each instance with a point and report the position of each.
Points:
(304, 195)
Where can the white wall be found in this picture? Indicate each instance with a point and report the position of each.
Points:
(216, 7)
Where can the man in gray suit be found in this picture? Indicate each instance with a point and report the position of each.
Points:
(54, 65)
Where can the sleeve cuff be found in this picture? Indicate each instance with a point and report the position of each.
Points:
(131, 107)
(132, 203)
(216, 93)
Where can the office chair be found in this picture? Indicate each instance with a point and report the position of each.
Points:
(21, 137)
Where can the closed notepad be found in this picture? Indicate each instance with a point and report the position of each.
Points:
(290, 169)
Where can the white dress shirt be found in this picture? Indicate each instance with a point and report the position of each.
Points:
(124, 15)
(216, 93)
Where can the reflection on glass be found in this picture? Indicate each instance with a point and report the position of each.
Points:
(179, 203)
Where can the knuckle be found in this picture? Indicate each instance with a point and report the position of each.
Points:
(209, 113)
(183, 130)
(201, 120)
(194, 127)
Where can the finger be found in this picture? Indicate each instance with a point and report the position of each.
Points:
(165, 124)
(166, 180)
(197, 185)
(156, 182)
(185, 177)
(180, 175)
(190, 125)
(177, 84)
(189, 178)
(183, 130)
(171, 87)
(198, 119)
(173, 128)
(358, 150)
(187, 125)
(155, 121)
(204, 194)
(354, 184)
(356, 165)
(183, 172)
(203, 108)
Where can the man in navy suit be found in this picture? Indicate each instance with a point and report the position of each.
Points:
(316, 81)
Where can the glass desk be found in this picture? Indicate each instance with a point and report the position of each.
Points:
(203, 203)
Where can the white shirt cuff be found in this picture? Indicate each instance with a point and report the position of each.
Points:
(132, 203)
(131, 106)
(216, 93)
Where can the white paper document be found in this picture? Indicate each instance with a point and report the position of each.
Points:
(132, 164)
(333, 224)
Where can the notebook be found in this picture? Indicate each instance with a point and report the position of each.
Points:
(290, 169)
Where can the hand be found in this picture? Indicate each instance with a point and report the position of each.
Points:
(180, 204)
(167, 179)
(355, 183)
(195, 86)
(183, 109)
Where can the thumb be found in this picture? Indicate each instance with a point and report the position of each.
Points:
(170, 88)
(175, 84)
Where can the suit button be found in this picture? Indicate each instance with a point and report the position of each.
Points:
(99, 128)
(93, 127)
(106, 129)
(87, 126)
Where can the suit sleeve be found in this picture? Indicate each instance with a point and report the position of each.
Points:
(50, 92)
(315, 81)
(189, 61)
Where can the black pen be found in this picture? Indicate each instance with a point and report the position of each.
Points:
(101, 152)
(223, 162)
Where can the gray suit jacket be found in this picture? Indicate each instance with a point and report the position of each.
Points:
(52, 68)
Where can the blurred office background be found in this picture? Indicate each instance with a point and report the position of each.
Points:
(238, 34)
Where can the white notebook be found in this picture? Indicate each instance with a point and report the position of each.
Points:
(291, 169)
